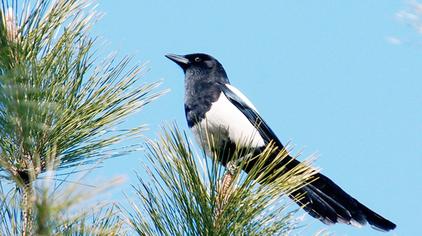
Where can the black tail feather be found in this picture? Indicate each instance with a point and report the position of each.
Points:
(326, 201)
(376, 221)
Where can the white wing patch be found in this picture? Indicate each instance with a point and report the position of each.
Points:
(226, 117)
(241, 96)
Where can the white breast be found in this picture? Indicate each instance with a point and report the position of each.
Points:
(224, 120)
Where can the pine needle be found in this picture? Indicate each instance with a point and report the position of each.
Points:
(188, 194)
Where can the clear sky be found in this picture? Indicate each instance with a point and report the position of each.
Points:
(341, 78)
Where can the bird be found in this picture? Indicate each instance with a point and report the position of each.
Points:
(212, 103)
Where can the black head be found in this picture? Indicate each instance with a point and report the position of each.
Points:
(200, 66)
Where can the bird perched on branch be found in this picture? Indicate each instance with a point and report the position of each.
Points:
(212, 103)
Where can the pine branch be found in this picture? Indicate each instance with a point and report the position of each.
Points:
(54, 101)
(188, 194)
(59, 107)
(64, 211)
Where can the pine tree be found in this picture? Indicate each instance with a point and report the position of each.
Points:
(58, 107)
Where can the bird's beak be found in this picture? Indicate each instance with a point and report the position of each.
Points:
(179, 60)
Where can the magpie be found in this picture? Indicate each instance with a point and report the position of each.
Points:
(212, 103)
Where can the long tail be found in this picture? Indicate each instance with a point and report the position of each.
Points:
(326, 201)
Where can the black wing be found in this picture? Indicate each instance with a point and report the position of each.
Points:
(264, 130)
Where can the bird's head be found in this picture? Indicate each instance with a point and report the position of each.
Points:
(200, 66)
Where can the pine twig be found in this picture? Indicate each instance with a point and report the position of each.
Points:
(224, 190)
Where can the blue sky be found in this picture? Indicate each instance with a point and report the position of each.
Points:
(339, 78)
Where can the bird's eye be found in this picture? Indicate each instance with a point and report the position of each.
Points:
(197, 59)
